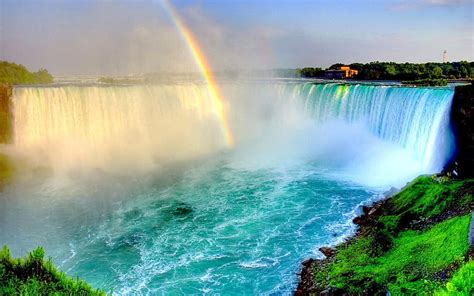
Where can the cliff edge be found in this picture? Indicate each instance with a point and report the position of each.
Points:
(6, 126)
(462, 120)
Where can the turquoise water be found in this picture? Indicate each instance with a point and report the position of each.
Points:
(211, 227)
(208, 220)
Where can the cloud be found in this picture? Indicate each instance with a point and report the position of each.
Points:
(447, 2)
(420, 4)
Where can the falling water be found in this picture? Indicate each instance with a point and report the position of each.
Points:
(129, 126)
(416, 119)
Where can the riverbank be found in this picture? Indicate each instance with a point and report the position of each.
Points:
(412, 242)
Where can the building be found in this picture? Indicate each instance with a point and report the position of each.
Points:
(340, 73)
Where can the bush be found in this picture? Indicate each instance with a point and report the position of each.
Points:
(36, 276)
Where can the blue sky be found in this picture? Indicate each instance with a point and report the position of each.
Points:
(117, 37)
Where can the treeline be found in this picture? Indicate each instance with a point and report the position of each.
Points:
(405, 71)
(310, 72)
(12, 73)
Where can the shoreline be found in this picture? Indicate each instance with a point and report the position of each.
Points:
(305, 276)
(368, 225)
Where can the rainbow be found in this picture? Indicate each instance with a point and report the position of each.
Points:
(205, 69)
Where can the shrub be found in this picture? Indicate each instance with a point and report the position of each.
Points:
(36, 276)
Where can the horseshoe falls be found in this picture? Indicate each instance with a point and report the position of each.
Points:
(133, 188)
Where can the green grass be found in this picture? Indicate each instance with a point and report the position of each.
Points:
(425, 198)
(390, 255)
(462, 282)
(407, 267)
(417, 256)
(34, 275)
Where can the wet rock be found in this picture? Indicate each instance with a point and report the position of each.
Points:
(366, 218)
(305, 285)
(365, 209)
(328, 252)
(182, 211)
(375, 209)
(308, 262)
(326, 292)
(361, 220)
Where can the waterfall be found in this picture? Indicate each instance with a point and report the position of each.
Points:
(145, 125)
(100, 126)
(416, 119)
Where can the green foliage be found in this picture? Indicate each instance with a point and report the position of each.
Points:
(427, 82)
(12, 73)
(391, 255)
(336, 66)
(411, 72)
(430, 74)
(42, 76)
(406, 267)
(416, 256)
(437, 72)
(36, 276)
(310, 72)
(462, 282)
(427, 197)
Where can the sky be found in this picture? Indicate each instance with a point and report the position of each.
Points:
(106, 37)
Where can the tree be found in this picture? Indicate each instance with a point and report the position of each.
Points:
(42, 76)
(311, 72)
(391, 71)
(437, 72)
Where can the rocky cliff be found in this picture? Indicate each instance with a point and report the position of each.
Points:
(5, 114)
(462, 118)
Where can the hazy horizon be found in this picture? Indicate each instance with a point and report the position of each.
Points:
(123, 37)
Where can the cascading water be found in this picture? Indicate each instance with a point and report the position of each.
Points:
(110, 127)
(185, 215)
(416, 119)
(146, 124)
